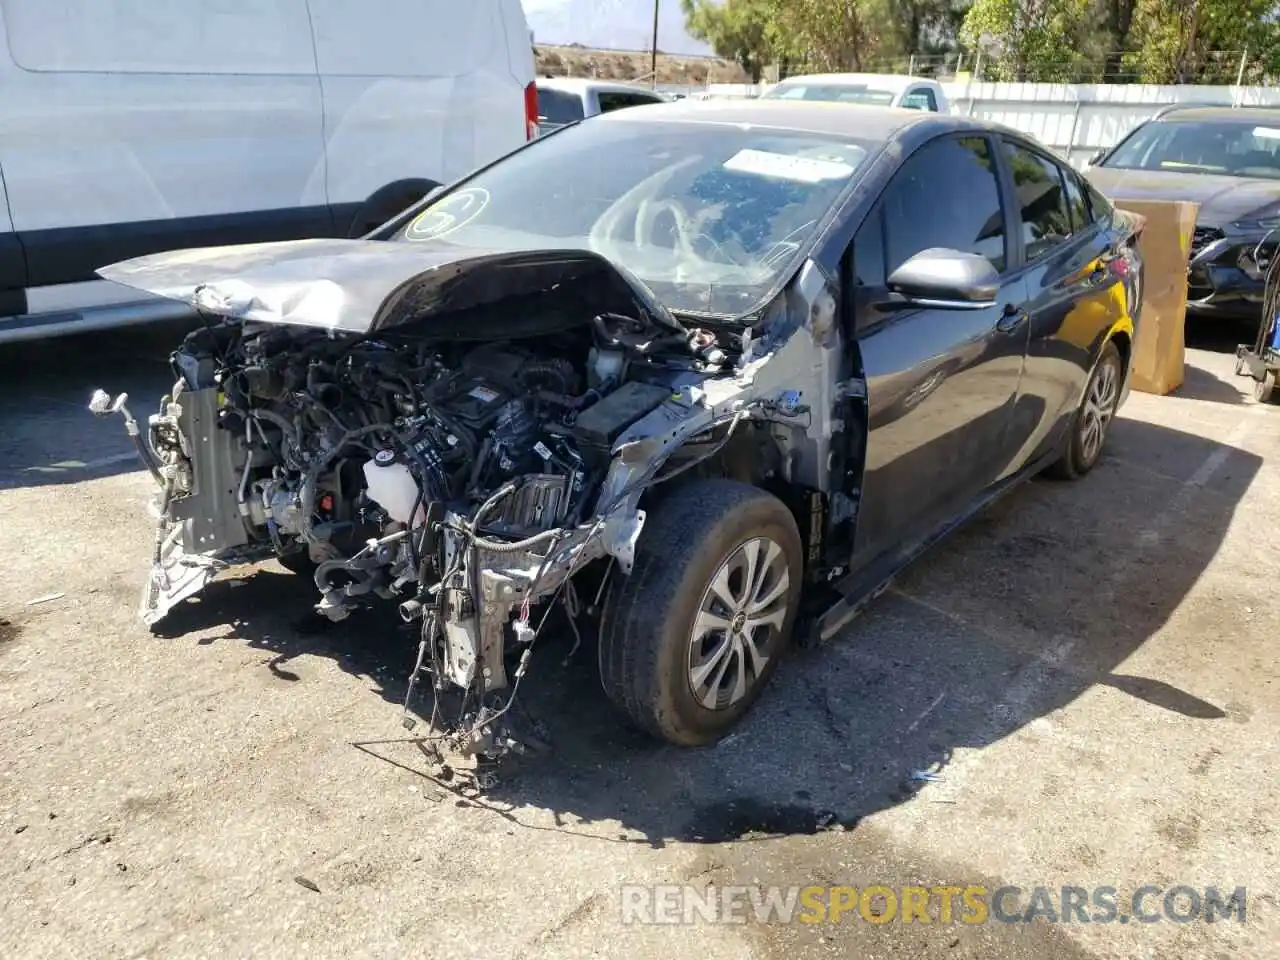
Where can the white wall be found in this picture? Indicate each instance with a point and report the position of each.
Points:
(1074, 119)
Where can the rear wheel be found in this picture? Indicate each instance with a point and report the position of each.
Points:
(693, 635)
(1087, 435)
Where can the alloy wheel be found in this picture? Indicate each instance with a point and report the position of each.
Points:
(742, 610)
(1099, 407)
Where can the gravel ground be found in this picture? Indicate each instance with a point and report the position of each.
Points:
(1090, 667)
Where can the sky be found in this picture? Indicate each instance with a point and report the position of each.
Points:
(616, 24)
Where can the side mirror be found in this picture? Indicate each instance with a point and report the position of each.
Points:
(946, 279)
(1097, 157)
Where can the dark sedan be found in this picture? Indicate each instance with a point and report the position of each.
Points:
(1228, 161)
(859, 326)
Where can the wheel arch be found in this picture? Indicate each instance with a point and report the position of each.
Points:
(387, 202)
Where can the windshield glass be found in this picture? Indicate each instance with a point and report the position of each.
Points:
(558, 106)
(835, 92)
(709, 216)
(1231, 148)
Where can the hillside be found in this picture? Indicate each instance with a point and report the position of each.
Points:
(611, 25)
(579, 61)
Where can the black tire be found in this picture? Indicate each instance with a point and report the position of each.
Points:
(647, 638)
(1079, 455)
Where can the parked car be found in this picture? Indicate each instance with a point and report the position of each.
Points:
(563, 100)
(1228, 161)
(758, 351)
(131, 128)
(867, 89)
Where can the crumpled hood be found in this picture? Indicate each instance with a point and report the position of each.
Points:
(366, 286)
(1222, 200)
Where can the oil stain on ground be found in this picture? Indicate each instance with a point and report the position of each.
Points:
(9, 632)
(745, 817)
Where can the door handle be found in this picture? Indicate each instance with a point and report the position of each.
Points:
(1010, 319)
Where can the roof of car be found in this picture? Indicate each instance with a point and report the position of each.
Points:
(580, 84)
(894, 81)
(1230, 114)
(809, 116)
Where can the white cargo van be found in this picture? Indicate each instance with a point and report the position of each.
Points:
(135, 126)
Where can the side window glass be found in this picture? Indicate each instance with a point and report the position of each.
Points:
(921, 99)
(1076, 202)
(1099, 207)
(616, 101)
(868, 250)
(946, 195)
(1042, 203)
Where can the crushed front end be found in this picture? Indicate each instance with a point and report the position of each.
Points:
(467, 477)
(1227, 269)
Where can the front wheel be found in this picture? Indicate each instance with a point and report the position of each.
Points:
(1082, 447)
(693, 635)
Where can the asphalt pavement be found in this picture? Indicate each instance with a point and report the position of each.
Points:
(1086, 676)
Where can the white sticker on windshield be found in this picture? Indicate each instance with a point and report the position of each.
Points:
(1266, 133)
(785, 167)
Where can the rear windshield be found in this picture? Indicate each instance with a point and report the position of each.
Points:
(556, 106)
(838, 92)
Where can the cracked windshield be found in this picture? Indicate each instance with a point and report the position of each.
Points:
(710, 216)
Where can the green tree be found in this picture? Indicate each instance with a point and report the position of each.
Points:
(1040, 40)
(741, 30)
(1203, 41)
(924, 27)
(837, 35)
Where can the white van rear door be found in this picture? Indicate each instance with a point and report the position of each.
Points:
(416, 89)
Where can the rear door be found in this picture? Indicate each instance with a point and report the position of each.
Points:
(416, 89)
(1074, 295)
(941, 382)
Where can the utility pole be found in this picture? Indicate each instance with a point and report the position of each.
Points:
(653, 58)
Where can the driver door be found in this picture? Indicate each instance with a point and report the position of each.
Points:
(941, 382)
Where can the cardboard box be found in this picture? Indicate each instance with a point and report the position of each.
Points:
(1159, 350)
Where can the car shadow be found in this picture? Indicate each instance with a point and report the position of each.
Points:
(1039, 599)
(47, 435)
(1201, 384)
(1219, 335)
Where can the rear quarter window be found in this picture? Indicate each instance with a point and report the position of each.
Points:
(557, 106)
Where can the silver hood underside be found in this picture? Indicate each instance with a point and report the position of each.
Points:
(365, 286)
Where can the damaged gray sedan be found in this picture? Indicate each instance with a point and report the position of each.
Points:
(714, 370)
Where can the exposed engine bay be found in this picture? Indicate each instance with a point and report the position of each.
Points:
(467, 482)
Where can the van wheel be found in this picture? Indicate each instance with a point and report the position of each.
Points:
(1082, 447)
(692, 636)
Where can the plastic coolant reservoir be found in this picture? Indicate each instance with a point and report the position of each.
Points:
(391, 486)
